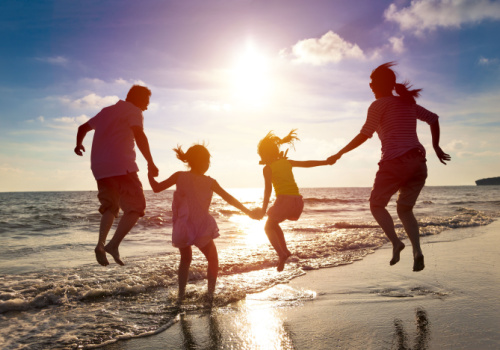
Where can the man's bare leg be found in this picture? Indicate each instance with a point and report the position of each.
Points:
(107, 220)
(385, 221)
(126, 223)
(410, 224)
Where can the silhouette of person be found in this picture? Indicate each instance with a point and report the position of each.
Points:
(278, 174)
(403, 165)
(192, 222)
(113, 164)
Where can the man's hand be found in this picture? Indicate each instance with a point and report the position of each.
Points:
(153, 170)
(79, 149)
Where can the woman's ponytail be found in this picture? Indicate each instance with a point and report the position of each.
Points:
(405, 92)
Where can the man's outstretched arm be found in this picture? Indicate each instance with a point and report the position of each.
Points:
(82, 131)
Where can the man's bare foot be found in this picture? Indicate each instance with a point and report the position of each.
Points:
(115, 254)
(418, 263)
(282, 261)
(100, 255)
(396, 250)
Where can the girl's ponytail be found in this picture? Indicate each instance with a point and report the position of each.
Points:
(180, 154)
(290, 138)
(196, 156)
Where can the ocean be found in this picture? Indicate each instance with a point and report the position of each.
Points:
(53, 294)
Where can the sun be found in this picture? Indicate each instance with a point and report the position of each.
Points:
(251, 77)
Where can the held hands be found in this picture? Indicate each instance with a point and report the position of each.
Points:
(152, 170)
(256, 213)
(333, 159)
(441, 155)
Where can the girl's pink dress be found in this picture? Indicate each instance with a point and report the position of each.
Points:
(192, 223)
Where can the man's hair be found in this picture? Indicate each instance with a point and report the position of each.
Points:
(138, 94)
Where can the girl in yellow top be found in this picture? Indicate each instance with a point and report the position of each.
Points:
(288, 203)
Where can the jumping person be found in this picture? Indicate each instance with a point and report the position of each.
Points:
(403, 165)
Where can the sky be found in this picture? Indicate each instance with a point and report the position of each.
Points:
(225, 72)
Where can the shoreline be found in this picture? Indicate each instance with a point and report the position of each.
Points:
(451, 304)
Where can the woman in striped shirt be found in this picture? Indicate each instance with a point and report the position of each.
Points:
(403, 165)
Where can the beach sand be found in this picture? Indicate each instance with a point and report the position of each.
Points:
(452, 304)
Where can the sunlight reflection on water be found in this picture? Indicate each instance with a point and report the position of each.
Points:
(252, 229)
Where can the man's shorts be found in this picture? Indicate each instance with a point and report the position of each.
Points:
(124, 191)
(286, 207)
(406, 173)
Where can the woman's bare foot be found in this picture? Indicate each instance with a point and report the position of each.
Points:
(282, 261)
(100, 255)
(418, 262)
(115, 254)
(396, 250)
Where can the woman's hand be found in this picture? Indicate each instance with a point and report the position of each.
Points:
(441, 155)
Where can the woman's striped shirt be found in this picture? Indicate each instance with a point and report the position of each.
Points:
(395, 122)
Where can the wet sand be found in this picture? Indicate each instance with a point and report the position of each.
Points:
(453, 304)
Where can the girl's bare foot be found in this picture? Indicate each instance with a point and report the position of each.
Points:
(396, 250)
(282, 261)
(115, 254)
(100, 255)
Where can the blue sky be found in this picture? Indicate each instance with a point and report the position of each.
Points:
(227, 72)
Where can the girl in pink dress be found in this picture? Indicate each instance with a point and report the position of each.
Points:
(192, 223)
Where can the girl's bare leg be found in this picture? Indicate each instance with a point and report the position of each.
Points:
(183, 274)
(210, 252)
(277, 239)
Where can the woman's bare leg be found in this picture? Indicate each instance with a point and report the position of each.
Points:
(410, 225)
(385, 221)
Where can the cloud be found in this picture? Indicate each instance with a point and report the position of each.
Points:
(39, 119)
(92, 101)
(330, 48)
(424, 15)
(68, 122)
(456, 145)
(397, 44)
(483, 61)
(56, 60)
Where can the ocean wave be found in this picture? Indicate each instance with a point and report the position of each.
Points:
(470, 202)
(313, 201)
(61, 306)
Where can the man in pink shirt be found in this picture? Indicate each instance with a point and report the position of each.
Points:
(117, 129)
